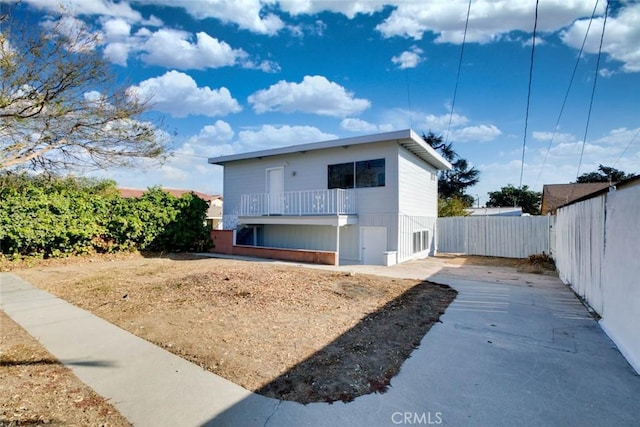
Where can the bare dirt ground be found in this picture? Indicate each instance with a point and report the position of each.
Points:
(287, 332)
(38, 390)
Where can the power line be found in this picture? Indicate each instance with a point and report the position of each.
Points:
(526, 117)
(627, 147)
(566, 95)
(593, 89)
(455, 90)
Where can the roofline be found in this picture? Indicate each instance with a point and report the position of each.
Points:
(424, 151)
(602, 191)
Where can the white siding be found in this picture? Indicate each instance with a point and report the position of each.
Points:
(316, 237)
(308, 171)
(409, 224)
(418, 192)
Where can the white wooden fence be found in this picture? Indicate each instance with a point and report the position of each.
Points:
(511, 237)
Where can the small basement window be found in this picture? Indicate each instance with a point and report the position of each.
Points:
(420, 241)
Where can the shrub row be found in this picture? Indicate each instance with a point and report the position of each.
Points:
(54, 217)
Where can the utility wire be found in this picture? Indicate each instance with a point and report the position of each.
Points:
(526, 117)
(593, 89)
(566, 95)
(628, 145)
(455, 90)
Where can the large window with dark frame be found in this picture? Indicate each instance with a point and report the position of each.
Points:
(363, 174)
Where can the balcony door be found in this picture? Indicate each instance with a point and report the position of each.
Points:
(275, 190)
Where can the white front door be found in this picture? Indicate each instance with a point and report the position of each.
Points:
(275, 188)
(373, 241)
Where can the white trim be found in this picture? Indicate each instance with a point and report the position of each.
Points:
(406, 138)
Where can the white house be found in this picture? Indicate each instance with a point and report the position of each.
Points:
(371, 199)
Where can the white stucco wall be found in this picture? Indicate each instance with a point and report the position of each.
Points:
(596, 253)
(621, 273)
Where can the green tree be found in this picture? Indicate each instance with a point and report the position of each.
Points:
(60, 105)
(527, 199)
(454, 182)
(453, 206)
(603, 174)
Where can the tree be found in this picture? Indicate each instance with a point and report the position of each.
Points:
(454, 182)
(511, 196)
(453, 206)
(60, 107)
(603, 174)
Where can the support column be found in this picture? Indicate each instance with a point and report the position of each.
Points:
(337, 244)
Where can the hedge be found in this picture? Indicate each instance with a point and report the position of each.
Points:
(53, 217)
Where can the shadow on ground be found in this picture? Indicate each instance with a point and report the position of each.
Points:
(365, 358)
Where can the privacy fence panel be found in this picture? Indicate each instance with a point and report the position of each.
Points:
(511, 237)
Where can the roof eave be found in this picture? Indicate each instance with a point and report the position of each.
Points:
(405, 138)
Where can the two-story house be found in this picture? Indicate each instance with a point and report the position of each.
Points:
(372, 199)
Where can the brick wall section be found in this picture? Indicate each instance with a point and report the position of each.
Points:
(223, 240)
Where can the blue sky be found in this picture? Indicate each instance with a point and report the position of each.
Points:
(230, 76)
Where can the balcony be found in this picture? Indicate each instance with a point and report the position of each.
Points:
(299, 203)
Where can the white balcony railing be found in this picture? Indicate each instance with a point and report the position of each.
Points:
(310, 202)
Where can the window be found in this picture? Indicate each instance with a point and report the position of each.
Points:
(420, 241)
(370, 173)
(367, 173)
(341, 176)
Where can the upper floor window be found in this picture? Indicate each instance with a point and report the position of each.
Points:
(367, 173)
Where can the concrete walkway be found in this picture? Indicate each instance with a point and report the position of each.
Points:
(512, 348)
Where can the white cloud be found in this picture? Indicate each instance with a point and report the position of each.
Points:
(178, 94)
(481, 133)
(315, 94)
(95, 7)
(489, 20)
(357, 125)
(269, 136)
(440, 123)
(408, 58)
(621, 40)
(348, 8)
(247, 14)
(174, 49)
(557, 137)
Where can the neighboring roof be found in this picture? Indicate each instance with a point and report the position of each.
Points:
(406, 138)
(134, 192)
(501, 211)
(557, 195)
(634, 180)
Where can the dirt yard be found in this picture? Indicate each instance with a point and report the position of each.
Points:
(291, 333)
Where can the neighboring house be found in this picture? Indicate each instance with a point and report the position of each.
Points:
(214, 212)
(556, 195)
(370, 199)
(502, 211)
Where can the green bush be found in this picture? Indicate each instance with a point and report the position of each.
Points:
(53, 217)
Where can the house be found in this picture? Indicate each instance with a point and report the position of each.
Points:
(501, 211)
(556, 195)
(214, 212)
(369, 199)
